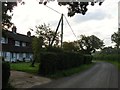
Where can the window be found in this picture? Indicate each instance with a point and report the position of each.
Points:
(23, 44)
(4, 40)
(27, 55)
(0, 53)
(17, 43)
(4, 54)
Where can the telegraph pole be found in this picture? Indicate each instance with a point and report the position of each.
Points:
(60, 23)
(62, 31)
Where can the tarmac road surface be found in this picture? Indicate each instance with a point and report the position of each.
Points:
(101, 75)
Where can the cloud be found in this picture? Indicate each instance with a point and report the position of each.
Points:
(101, 21)
(97, 15)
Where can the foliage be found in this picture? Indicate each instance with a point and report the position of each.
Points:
(108, 53)
(7, 6)
(75, 7)
(116, 38)
(53, 62)
(47, 34)
(114, 62)
(110, 50)
(70, 46)
(6, 19)
(70, 71)
(89, 44)
(25, 67)
(88, 59)
(114, 57)
(37, 43)
(54, 49)
(5, 74)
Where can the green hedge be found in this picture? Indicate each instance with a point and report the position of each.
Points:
(88, 59)
(5, 74)
(114, 57)
(52, 62)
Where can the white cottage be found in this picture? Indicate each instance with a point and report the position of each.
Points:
(16, 46)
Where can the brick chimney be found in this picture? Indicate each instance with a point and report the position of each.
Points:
(28, 33)
(14, 29)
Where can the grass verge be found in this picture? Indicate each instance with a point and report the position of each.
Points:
(25, 67)
(116, 63)
(70, 72)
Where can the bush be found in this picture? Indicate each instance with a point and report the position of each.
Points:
(5, 74)
(87, 59)
(114, 57)
(52, 62)
(54, 49)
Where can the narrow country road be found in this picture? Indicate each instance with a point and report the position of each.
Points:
(101, 75)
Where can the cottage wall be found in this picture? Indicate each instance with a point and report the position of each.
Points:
(12, 52)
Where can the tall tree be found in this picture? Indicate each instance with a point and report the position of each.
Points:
(70, 46)
(116, 38)
(47, 34)
(89, 44)
(6, 19)
(75, 6)
(37, 43)
(7, 6)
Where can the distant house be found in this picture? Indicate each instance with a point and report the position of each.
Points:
(16, 46)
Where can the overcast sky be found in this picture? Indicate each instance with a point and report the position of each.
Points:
(101, 21)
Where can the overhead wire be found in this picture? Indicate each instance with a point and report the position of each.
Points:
(53, 9)
(70, 27)
(65, 19)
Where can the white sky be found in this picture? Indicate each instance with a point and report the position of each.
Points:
(101, 21)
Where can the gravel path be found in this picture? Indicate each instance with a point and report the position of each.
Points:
(24, 80)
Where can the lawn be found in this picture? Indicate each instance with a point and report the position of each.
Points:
(25, 67)
(116, 63)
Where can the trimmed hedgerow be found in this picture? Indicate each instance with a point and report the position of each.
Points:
(52, 62)
(5, 74)
(87, 59)
(114, 57)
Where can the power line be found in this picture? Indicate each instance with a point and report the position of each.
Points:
(65, 19)
(53, 9)
(70, 27)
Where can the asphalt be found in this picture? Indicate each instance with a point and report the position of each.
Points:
(101, 75)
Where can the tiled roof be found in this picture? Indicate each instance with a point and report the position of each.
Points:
(16, 36)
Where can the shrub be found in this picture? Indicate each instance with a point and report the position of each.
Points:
(52, 62)
(114, 57)
(5, 74)
(87, 59)
(54, 49)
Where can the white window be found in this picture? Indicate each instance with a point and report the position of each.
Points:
(17, 43)
(4, 40)
(18, 56)
(23, 44)
(24, 55)
(4, 54)
(0, 53)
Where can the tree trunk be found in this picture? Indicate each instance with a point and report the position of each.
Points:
(33, 62)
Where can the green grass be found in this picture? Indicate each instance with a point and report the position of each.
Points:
(116, 63)
(70, 72)
(25, 67)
